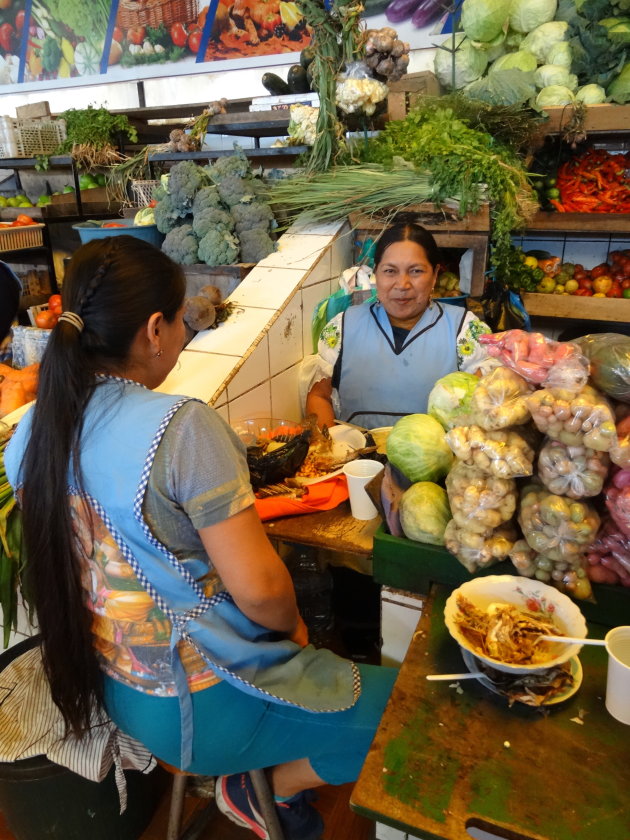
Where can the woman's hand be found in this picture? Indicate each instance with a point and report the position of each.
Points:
(319, 402)
(300, 634)
(252, 572)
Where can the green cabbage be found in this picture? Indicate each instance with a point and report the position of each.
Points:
(483, 20)
(591, 94)
(619, 89)
(424, 513)
(418, 448)
(559, 53)
(507, 87)
(449, 400)
(494, 48)
(552, 74)
(469, 63)
(553, 96)
(519, 60)
(541, 40)
(526, 15)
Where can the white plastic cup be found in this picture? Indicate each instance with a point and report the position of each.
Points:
(358, 474)
(618, 682)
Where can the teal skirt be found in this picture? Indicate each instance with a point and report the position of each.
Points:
(235, 732)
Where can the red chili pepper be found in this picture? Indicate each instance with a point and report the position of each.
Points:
(559, 207)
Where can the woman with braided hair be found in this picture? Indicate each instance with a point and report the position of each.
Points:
(156, 590)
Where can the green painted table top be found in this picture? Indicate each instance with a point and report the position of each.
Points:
(446, 758)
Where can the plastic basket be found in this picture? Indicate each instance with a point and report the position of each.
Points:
(27, 138)
(28, 236)
(143, 192)
(149, 233)
(154, 12)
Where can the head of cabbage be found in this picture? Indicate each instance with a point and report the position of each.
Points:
(619, 89)
(591, 94)
(424, 513)
(417, 447)
(553, 96)
(526, 15)
(553, 74)
(483, 20)
(519, 60)
(449, 400)
(456, 69)
(540, 41)
(559, 53)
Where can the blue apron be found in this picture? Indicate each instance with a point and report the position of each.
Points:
(124, 423)
(377, 383)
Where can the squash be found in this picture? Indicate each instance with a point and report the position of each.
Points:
(274, 84)
(297, 79)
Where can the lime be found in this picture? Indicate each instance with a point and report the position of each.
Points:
(553, 192)
(550, 181)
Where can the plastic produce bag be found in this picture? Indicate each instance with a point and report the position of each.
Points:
(574, 471)
(538, 359)
(478, 551)
(504, 453)
(585, 419)
(555, 526)
(609, 357)
(569, 575)
(498, 400)
(617, 498)
(620, 450)
(479, 502)
(609, 556)
(503, 309)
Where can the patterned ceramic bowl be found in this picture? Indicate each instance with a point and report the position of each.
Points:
(530, 595)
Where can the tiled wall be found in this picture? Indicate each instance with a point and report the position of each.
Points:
(249, 365)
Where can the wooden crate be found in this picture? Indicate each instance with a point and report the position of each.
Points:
(33, 111)
(404, 93)
(605, 223)
(573, 306)
(225, 277)
(598, 118)
(470, 233)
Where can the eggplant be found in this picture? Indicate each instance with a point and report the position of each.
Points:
(399, 10)
(427, 11)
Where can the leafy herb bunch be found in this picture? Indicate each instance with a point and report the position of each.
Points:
(466, 164)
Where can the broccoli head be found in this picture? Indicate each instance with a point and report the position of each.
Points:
(256, 214)
(181, 245)
(167, 216)
(212, 218)
(236, 164)
(256, 244)
(218, 247)
(206, 197)
(185, 181)
(234, 189)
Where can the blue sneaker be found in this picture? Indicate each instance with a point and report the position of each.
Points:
(236, 799)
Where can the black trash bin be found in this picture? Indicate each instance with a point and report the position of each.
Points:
(40, 799)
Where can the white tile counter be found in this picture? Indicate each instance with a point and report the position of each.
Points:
(249, 364)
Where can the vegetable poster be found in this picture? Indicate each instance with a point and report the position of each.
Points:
(53, 43)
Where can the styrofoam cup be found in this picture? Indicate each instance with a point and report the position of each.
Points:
(358, 474)
(618, 682)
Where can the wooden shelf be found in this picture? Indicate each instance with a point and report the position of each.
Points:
(598, 118)
(579, 308)
(277, 151)
(596, 223)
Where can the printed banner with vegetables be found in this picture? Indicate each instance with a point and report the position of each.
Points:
(54, 43)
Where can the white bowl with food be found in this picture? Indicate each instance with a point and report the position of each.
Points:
(499, 619)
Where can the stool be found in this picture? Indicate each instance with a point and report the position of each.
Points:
(175, 830)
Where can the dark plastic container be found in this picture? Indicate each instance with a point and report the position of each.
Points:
(40, 799)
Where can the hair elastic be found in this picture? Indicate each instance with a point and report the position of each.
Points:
(74, 319)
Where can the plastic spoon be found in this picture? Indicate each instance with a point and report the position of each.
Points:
(569, 640)
(468, 675)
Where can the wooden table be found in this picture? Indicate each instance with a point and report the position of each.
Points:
(335, 531)
(445, 758)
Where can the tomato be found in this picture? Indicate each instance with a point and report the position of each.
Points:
(178, 33)
(625, 284)
(136, 34)
(54, 300)
(113, 225)
(602, 283)
(585, 282)
(584, 293)
(46, 319)
(194, 41)
(600, 270)
(23, 220)
(615, 291)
